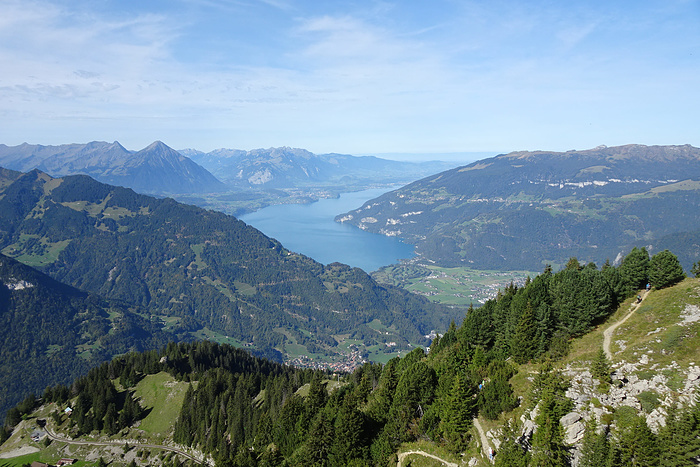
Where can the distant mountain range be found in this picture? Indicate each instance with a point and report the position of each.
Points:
(289, 167)
(231, 180)
(524, 210)
(154, 169)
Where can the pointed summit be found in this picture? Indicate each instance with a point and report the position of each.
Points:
(155, 169)
(158, 146)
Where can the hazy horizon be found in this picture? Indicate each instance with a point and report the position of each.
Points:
(353, 78)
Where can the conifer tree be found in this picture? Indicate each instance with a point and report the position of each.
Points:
(614, 280)
(496, 396)
(271, 457)
(320, 440)
(287, 435)
(263, 432)
(111, 420)
(573, 264)
(13, 417)
(634, 270)
(696, 269)
(449, 338)
(679, 439)
(414, 392)
(511, 453)
(458, 413)
(363, 389)
(665, 270)
(317, 393)
(349, 436)
(523, 344)
(382, 397)
(600, 367)
(595, 448)
(477, 329)
(638, 445)
(548, 448)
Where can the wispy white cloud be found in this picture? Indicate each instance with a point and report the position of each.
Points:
(55, 52)
(452, 76)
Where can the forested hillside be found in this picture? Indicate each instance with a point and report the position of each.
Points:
(242, 411)
(52, 333)
(199, 270)
(524, 210)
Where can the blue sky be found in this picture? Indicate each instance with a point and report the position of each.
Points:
(356, 77)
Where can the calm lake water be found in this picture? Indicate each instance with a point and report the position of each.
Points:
(309, 229)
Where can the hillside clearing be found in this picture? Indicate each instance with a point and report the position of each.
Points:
(163, 396)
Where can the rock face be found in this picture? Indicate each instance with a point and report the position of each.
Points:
(573, 426)
(644, 380)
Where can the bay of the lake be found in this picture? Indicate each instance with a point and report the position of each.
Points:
(309, 229)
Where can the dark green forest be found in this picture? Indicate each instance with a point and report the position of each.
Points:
(52, 333)
(246, 411)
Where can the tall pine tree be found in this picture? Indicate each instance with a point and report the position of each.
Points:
(458, 412)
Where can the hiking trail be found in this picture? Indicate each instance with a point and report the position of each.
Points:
(607, 334)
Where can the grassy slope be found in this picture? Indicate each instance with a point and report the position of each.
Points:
(653, 330)
(162, 395)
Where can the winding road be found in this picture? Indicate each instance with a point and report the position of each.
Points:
(134, 443)
(485, 447)
(607, 334)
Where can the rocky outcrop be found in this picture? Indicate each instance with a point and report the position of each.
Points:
(594, 400)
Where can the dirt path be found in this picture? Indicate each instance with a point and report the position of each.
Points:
(485, 446)
(607, 334)
(403, 456)
(133, 443)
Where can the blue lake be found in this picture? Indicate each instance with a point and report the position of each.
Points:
(310, 229)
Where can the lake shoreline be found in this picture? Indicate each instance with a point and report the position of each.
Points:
(311, 229)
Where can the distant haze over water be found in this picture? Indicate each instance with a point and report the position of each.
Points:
(309, 229)
(457, 157)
